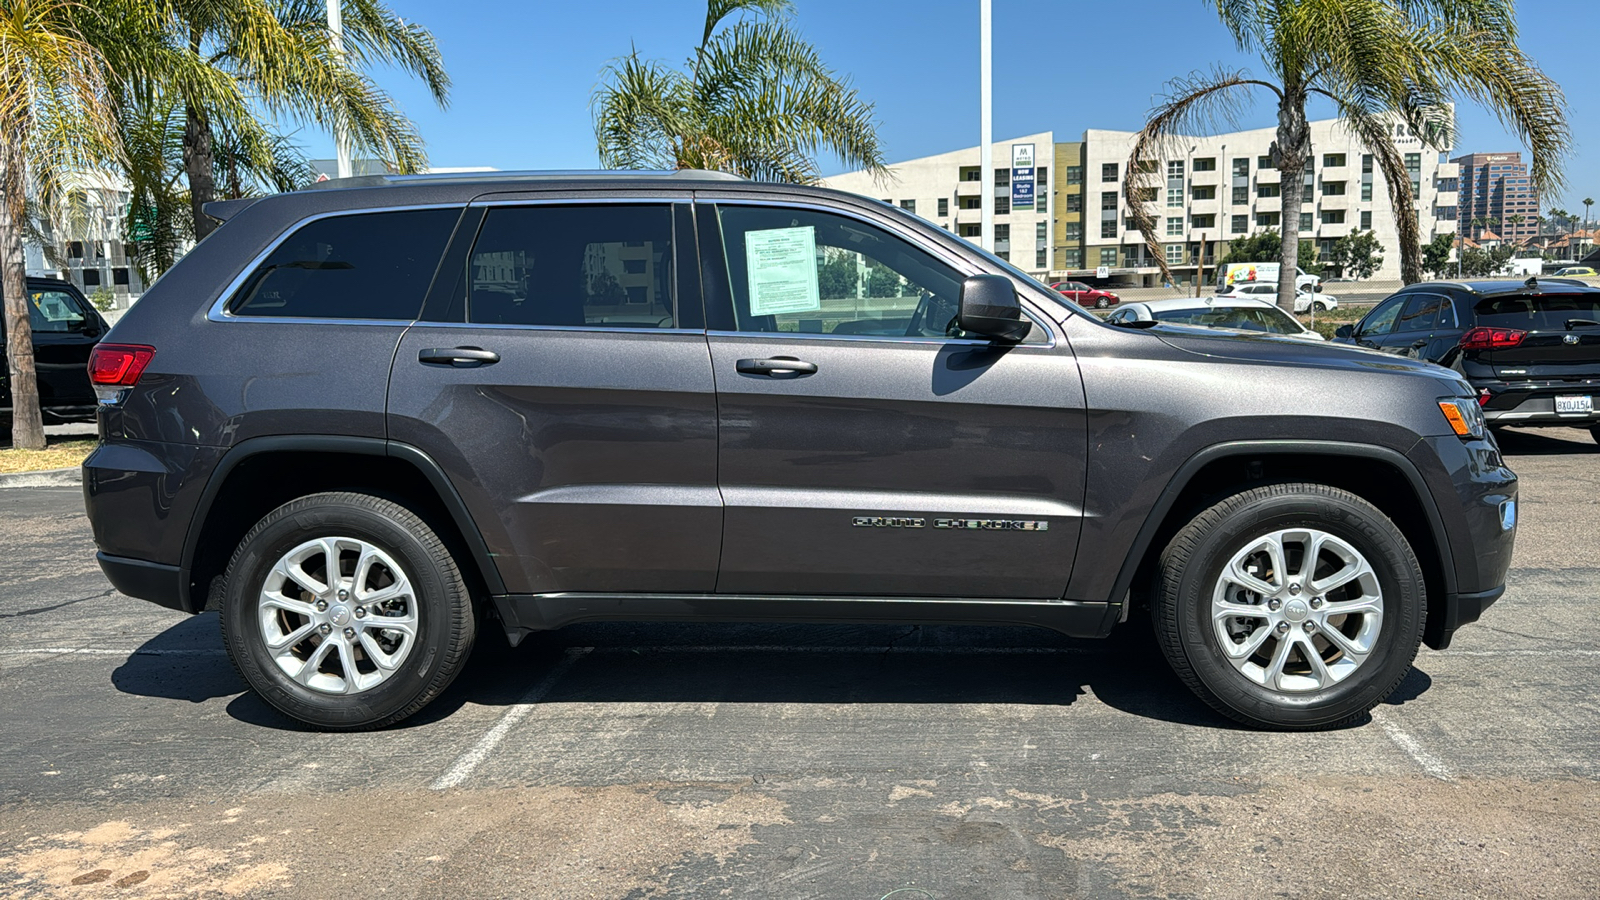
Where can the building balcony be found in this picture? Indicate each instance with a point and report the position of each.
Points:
(1205, 207)
(1268, 204)
(1267, 176)
(968, 216)
(969, 188)
(1333, 201)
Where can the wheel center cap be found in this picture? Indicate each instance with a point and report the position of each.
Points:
(339, 615)
(1296, 611)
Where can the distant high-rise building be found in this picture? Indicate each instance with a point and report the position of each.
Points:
(1496, 186)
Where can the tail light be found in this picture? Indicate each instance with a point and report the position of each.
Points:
(1484, 397)
(118, 365)
(1491, 338)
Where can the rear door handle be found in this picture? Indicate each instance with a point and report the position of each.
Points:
(1419, 345)
(459, 357)
(777, 365)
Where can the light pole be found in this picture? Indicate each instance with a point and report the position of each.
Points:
(986, 128)
(336, 37)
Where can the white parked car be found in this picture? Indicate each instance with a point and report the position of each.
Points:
(1304, 300)
(1243, 314)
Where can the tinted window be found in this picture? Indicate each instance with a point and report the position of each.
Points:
(1544, 312)
(1381, 320)
(575, 266)
(55, 311)
(1421, 313)
(808, 272)
(366, 266)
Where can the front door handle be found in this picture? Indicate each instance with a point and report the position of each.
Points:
(779, 366)
(459, 357)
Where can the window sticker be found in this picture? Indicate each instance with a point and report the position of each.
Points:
(783, 270)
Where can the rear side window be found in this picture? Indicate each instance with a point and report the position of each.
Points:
(56, 312)
(1540, 312)
(603, 266)
(364, 266)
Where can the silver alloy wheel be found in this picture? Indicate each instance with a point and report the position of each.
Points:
(1297, 610)
(338, 615)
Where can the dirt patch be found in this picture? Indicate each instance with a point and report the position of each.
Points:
(59, 453)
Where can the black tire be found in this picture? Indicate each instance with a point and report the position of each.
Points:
(1319, 306)
(445, 624)
(1102, 303)
(1192, 565)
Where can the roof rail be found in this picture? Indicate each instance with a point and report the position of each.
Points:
(532, 175)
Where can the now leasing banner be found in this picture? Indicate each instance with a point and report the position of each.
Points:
(1022, 176)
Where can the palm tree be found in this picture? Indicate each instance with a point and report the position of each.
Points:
(1587, 202)
(1477, 226)
(1515, 221)
(284, 58)
(1380, 63)
(755, 99)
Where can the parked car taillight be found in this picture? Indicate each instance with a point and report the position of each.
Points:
(118, 365)
(1491, 338)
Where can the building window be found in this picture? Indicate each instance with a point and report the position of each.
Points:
(909, 206)
(119, 276)
(1108, 171)
(1174, 254)
(1002, 234)
(1073, 232)
(944, 206)
(1332, 159)
(1174, 226)
(1264, 162)
(1366, 221)
(1204, 192)
(1175, 197)
(971, 231)
(1108, 256)
(1108, 228)
(1002, 178)
(1333, 188)
(1241, 224)
(75, 250)
(1241, 196)
(1208, 164)
(1074, 203)
(1040, 258)
(1241, 168)
(1071, 258)
(971, 173)
(1206, 221)
(1267, 220)
(1004, 254)
(91, 277)
(1366, 191)
(1147, 166)
(1041, 178)
(1333, 217)
(1002, 206)
(1108, 200)
(1324, 250)
(1150, 195)
(1074, 174)
(1175, 168)
(1305, 222)
(972, 203)
(1269, 190)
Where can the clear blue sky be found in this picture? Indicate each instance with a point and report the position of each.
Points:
(524, 71)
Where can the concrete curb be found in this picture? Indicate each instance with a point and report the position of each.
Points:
(47, 478)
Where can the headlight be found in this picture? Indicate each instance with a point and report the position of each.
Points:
(1465, 417)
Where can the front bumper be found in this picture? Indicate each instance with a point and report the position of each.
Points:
(1479, 508)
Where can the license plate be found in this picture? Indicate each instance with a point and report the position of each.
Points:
(1583, 404)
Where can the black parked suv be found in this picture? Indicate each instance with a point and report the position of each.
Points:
(1530, 349)
(65, 328)
(364, 420)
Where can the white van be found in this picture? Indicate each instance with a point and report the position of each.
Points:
(1243, 273)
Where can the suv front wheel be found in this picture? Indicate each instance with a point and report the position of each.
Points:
(1294, 606)
(346, 611)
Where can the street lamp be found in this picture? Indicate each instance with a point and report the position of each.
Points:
(336, 37)
(986, 128)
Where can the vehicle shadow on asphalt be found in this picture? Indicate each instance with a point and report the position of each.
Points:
(1544, 441)
(740, 663)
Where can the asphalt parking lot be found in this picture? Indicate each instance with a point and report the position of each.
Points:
(798, 761)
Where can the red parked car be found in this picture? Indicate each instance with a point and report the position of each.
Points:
(1084, 295)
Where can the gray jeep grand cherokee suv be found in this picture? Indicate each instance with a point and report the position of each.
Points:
(361, 421)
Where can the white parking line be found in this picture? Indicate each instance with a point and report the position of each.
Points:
(100, 651)
(480, 751)
(1429, 763)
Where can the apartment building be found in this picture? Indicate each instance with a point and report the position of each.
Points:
(947, 189)
(1497, 192)
(1209, 190)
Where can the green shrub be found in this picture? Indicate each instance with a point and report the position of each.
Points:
(103, 299)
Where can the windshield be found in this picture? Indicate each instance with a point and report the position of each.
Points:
(1263, 319)
(1537, 312)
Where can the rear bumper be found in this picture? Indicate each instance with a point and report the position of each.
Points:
(1522, 403)
(158, 583)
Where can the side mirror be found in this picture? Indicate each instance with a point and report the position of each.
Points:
(989, 307)
(1345, 331)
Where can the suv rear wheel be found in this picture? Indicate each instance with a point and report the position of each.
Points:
(346, 611)
(1294, 606)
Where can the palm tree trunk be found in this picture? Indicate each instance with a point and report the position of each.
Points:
(1294, 140)
(27, 426)
(200, 165)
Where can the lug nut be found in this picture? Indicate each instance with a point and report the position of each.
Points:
(1294, 588)
(1274, 604)
(361, 612)
(325, 628)
(1316, 602)
(1310, 626)
(344, 595)
(1283, 627)
(349, 632)
(322, 606)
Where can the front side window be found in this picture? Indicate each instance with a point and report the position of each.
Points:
(573, 266)
(1421, 313)
(362, 266)
(1381, 320)
(806, 272)
(56, 312)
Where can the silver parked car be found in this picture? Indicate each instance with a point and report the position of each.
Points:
(1232, 313)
